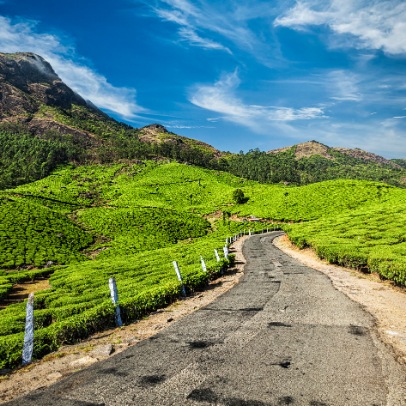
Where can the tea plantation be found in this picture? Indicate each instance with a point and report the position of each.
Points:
(83, 225)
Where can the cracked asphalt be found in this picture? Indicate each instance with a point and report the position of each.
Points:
(282, 336)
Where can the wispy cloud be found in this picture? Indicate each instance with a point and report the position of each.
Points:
(222, 27)
(187, 127)
(344, 85)
(221, 98)
(23, 36)
(189, 35)
(373, 24)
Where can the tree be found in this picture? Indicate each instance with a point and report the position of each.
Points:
(238, 196)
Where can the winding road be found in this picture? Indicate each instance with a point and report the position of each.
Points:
(282, 336)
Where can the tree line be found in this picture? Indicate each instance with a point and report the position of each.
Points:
(25, 157)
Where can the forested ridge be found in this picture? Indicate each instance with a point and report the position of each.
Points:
(26, 157)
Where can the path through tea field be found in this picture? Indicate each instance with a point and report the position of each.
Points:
(283, 335)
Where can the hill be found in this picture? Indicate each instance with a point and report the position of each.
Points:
(86, 198)
(315, 148)
(312, 161)
(85, 224)
(43, 123)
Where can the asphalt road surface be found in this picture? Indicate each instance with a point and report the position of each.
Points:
(282, 336)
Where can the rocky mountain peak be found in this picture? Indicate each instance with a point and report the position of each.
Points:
(24, 68)
(27, 81)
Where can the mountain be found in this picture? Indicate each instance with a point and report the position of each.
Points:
(158, 134)
(26, 82)
(44, 123)
(32, 94)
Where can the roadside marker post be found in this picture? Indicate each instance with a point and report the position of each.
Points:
(114, 299)
(225, 250)
(28, 347)
(203, 264)
(217, 255)
(175, 265)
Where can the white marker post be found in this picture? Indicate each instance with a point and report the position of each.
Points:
(217, 255)
(114, 299)
(225, 250)
(204, 268)
(175, 265)
(28, 347)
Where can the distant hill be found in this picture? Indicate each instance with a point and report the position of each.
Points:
(312, 148)
(400, 162)
(313, 161)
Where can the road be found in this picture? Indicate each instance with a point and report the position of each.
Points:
(282, 336)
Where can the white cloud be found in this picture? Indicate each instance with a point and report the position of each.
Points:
(343, 85)
(187, 127)
(23, 36)
(375, 24)
(193, 38)
(221, 99)
(203, 25)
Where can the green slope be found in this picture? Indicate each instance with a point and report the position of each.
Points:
(131, 221)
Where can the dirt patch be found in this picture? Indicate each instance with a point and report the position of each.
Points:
(384, 301)
(20, 291)
(72, 358)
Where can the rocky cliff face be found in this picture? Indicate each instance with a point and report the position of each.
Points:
(26, 82)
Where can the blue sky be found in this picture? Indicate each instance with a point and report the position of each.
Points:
(236, 74)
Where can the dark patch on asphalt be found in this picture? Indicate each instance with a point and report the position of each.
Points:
(357, 330)
(209, 396)
(286, 400)
(112, 371)
(251, 309)
(203, 395)
(317, 403)
(242, 402)
(284, 363)
(199, 344)
(278, 324)
(150, 380)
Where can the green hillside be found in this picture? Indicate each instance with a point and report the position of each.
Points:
(131, 221)
(315, 164)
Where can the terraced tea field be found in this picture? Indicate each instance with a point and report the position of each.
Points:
(87, 224)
